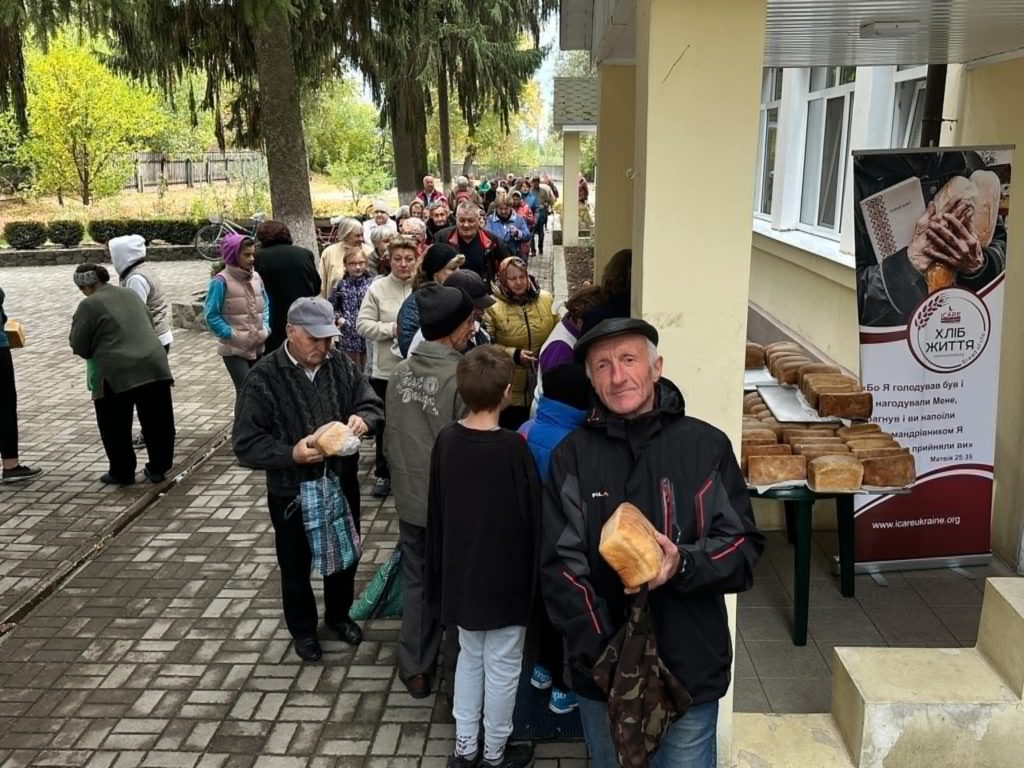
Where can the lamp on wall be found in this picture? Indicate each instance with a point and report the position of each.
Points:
(876, 29)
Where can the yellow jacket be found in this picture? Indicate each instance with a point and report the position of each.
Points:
(521, 326)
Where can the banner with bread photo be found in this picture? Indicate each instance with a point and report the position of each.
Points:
(931, 247)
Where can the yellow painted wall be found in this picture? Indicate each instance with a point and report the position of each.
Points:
(813, 296)
(616, 131)
(993, 113)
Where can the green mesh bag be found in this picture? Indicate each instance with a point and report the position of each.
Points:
(382, 598)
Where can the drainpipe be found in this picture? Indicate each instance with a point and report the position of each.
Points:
(934, 93)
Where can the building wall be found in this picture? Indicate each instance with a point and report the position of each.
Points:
(813, 296)
(993, 113)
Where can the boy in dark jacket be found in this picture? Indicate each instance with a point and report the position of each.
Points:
(482, 527)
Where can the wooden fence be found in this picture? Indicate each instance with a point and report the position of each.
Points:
(189, 170)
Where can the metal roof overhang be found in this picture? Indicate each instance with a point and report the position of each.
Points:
(803, 33)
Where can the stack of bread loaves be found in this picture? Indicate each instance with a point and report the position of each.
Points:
(830, 457)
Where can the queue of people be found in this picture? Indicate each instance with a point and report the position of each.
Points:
(442, 357)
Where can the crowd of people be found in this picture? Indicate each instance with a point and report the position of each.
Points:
(507, 430)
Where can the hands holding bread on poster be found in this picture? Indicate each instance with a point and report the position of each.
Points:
(955, 228)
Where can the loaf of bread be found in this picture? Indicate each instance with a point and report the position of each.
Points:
(746, 451)
(775, 363)
(330, 438)
(812, 380)
(846, 405)
(775, 346)
(809, 368)
(788, 370)
(837, 472)
(629, 546)
(881, 440)
(768, 470)
(750, 400)
(800, 435)
(759, 432)
(755, 355)
(760, 410)
(819, 442)
(875, 453)
(815, 390)
(858, 430)
(889, 471)
(769, 422)
(814, 452)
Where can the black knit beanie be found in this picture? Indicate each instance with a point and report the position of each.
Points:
(436, 258)
(568, 384)
(442, 309)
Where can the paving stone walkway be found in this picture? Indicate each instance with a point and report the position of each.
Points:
(166, 645)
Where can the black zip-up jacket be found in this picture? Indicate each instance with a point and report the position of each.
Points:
(682, 473)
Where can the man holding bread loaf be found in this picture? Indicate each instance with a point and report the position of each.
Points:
(285, 400)
(638, 448)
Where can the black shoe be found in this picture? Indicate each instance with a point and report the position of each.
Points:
(109, 479)
(153, 477)
(348, 632)
(308, 648)
(458, 761)
(516, 756)
(418, 686)
(381, 488)
(19, 473)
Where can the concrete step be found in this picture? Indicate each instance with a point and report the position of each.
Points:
(924, 707)
(788, 741)
(1001, 630)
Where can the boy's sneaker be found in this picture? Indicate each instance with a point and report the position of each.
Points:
(516, 756)
(19, 473)
(460, 761)
(562, 702)
(541, 678)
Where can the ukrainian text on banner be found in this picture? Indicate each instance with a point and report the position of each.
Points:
(931, 259)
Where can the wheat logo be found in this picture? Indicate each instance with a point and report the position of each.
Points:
(949, 330)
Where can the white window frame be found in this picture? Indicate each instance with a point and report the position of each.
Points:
(902, 76)
(845, 91)
(770, 76)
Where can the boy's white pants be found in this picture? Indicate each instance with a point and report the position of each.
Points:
(486, 678)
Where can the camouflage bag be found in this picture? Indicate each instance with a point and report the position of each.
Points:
(644, 698)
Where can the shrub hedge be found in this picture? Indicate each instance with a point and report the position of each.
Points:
(68, 233)
(171, 231)
(24, 234)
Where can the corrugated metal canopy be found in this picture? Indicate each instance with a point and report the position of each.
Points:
(800, 33)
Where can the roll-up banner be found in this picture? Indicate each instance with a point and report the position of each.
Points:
(931, 259)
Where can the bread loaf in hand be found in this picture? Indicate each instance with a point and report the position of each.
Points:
(629, 546)
(330, 438)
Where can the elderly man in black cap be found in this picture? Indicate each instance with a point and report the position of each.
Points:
(639, 446)
(289, 394)
(422, 399)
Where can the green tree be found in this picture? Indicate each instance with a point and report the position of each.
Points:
(84, 122)
(572, 64)
(344, 139)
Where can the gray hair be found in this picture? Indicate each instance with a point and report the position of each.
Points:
(652, 356)
(378, 234)
(462, 182)
(347, 226)
(468, 206)
(419, 225)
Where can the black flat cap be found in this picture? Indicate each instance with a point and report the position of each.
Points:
(614, 326)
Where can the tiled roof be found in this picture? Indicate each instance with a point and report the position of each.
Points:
(575, 101)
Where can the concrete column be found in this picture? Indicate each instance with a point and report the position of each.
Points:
(613, 206)
(571, 172)
(698, 74)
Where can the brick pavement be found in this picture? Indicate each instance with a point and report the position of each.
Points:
(46, 525)
(167, 647)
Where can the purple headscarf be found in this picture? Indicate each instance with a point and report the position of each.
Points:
(230, 245)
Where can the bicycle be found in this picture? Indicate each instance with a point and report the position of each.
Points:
(208, 237)
(330, 237)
